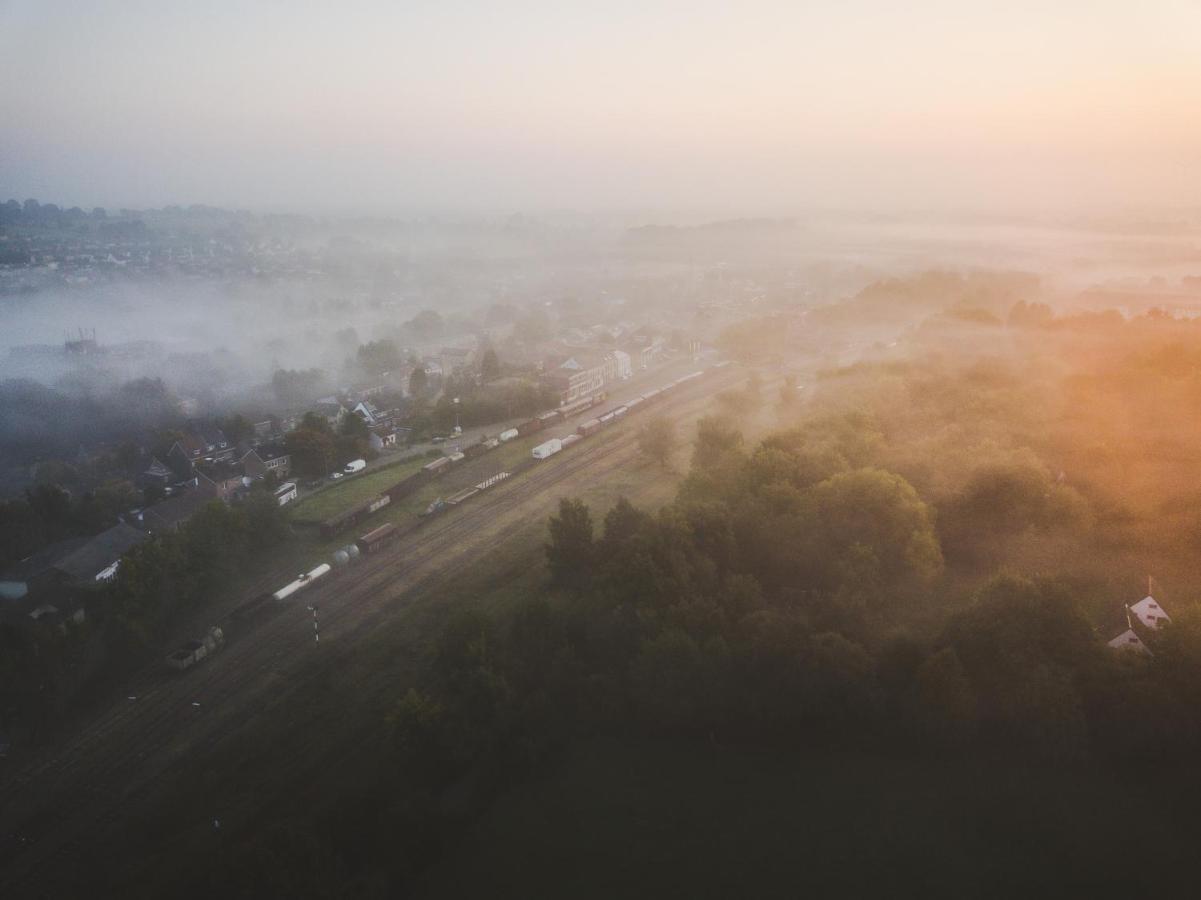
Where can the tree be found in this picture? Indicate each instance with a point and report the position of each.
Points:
(943, 705)
(657, 440)
(297, 386)
(872, 517)
(418, 382)
(312, 451)
(378, 357)
(571, 551)
(715, 439)
(489, 364)
(354, 426)
(426, 324)
(237, 428)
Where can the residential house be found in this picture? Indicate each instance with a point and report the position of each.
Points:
(579, 375)
(267, 459)
(34, 572)
(1128, 640)
(1150, 613)
(332, 410)
(622, 365)
(220, 483)
(170, 514)
(384, 437)
(158, 474)
(456, 359)
(367, 411)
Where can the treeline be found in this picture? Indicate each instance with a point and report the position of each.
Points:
(47, 513)
(38, 422)
(777, 600)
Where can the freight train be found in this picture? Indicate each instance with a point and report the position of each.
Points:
(436, 468)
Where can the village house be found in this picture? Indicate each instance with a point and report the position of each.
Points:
(268, 459)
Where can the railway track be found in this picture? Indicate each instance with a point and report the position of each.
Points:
(49, 808)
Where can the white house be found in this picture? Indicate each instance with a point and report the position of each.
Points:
(1150, 613)
(1128, 640)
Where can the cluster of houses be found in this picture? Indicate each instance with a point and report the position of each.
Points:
(582, 365)
(1143, 620)
(54, 584)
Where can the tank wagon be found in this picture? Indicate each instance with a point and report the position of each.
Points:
(302, 581)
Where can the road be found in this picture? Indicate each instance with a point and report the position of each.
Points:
(52, 808)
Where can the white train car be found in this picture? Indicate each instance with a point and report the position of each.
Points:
(549, 448)
(301, 582)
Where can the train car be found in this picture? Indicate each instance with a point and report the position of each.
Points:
(456, 458)
(633, 405)
(620, 411)
(407, 486)
(507, 435)
(571, 439)
(337, 524)
(437, 467)
(460, 496)
(377, 537)
(194, 651)
(549, 448)
(592, 426)
(302, 581)
(550, 418)
(471, 451)
(530, 426)
(650, 396)
(491, 480)
(605, 418)
(377, 503)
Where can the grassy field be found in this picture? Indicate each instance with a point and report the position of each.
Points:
(349, 492)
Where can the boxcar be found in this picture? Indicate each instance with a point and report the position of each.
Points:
(407, 486)
(437, 467)
(590, 427)
(377, 537)
(529, 427)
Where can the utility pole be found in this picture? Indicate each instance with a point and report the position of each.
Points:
(316, 632)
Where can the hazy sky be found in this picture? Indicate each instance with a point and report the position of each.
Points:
(747, 106)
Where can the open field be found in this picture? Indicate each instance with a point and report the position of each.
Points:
(342, 495)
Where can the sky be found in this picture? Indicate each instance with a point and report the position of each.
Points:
(747, 107)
